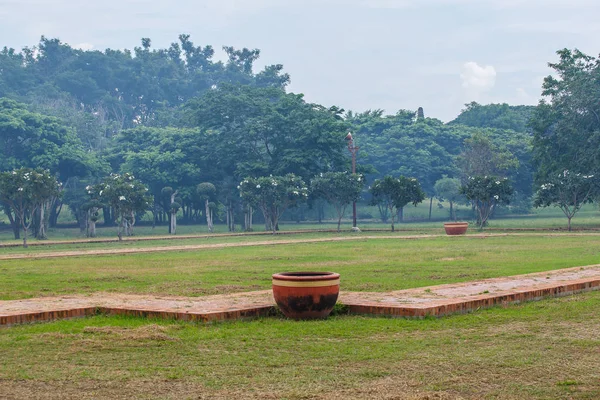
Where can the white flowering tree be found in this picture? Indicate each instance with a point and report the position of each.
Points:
(396, 193)
(486, 193)
(273, 195)
(126, 196)
(27, 191)
(339, 189)
(568, 191)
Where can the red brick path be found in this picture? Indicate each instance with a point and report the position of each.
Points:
(434, 300)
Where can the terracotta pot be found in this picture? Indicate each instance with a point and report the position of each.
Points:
(456, 228)
(306, 295)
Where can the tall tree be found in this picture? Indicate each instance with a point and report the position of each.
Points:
(568, 191)
(339, 189)
(126, 196)
(486, 193)
(260, 131)
(273, 195)
(567, 125)
(27, 191)
(396, 193)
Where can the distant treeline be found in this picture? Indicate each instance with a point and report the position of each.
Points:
(175, 118)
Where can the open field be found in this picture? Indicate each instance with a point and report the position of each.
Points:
(541, 350)
(365, 265)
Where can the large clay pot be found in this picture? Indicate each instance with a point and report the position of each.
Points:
(456, 228)
(306, 295)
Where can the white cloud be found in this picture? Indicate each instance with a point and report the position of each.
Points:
(84, 46)
(477, 79)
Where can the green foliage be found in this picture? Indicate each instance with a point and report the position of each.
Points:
(39, 141)
(449, 189)
(568, 191)
(25, 191)
(206, 191)
(567, 127)
(124, 194)
(481, 156)
(500, 116)
(339, 189)
(131, 87)
(250, 131)
(486, 193)
(395, 193)
(273, 195)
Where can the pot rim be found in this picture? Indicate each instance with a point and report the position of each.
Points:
(304, 276)
(455, 223)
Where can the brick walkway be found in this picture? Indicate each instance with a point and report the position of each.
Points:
(434, 300)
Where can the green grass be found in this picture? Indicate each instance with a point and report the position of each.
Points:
(415, 220)
(365, 265)
(542, 350)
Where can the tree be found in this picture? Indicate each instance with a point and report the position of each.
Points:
(449, 189)
(207, 192)
(172, 206)
(481, 156)
(26, 191)
(396, 193)
(568, 191)
(255, 131)
(500, 116)
(126, 196)
(273, 195)
(339, 189)
(486, 192)
(567, 126)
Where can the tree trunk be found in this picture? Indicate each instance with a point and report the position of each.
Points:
(55, 209)
(430, 206)
(130, 224)
(91, 225)
(231, 211)
(173, 215)
(42, 232)
(14, 223)
(401, 215)
(120, 229)
(248, 218)
(173, 225)
(569, 223)
(209, 221)
(227, 218)
(25, 237)
(452, 213)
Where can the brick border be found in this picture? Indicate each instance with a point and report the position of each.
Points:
(429, 307)
(463, 305)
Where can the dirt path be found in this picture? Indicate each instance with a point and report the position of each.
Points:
(76, 253)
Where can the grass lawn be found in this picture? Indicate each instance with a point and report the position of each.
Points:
(543, 350)
(548, 218)
(365, 265)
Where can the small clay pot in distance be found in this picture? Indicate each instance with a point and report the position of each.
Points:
(456, 228)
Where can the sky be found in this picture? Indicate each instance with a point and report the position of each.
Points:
(355, 54)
